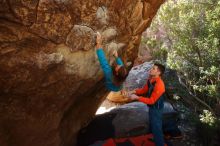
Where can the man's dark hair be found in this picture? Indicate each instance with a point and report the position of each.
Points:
(161, 68)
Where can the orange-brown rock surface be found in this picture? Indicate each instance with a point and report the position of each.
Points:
(50, 79)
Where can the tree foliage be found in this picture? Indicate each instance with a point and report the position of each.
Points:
(186, 35)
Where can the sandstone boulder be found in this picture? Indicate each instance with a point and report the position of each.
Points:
(50, 79)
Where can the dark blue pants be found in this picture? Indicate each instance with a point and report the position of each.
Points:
(155, 119)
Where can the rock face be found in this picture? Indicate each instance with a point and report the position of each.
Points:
(135, 119)
(50, 79)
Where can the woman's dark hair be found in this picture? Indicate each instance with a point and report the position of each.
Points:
(121, 75)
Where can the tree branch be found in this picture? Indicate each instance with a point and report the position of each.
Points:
(195, 97)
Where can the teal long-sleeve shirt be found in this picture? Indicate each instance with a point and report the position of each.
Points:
(108, 70)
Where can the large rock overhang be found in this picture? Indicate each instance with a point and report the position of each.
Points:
(50, 79)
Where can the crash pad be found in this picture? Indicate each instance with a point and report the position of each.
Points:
(143, 140)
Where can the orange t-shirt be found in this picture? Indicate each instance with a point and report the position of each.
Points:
(158, 90)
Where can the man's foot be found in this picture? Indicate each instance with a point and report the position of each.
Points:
(173, 136)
